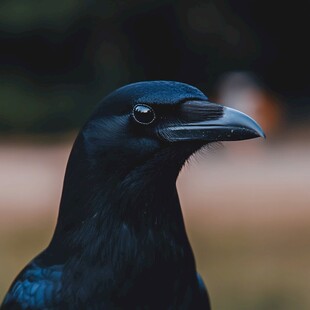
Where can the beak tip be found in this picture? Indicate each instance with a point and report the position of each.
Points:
(259, 131)
(262, 135)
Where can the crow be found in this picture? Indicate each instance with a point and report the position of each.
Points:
(120, 240)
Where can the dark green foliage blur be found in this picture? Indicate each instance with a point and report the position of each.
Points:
(59, 58)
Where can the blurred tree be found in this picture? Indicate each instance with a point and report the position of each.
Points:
(58, 58)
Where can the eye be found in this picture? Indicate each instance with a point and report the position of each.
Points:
(143, 114)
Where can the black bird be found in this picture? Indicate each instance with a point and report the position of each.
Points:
(120, 240)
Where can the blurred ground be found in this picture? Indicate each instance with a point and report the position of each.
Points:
(247, 214)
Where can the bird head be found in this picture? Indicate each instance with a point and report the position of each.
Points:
(144, 120)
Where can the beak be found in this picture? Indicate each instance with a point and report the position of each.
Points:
(226, 124)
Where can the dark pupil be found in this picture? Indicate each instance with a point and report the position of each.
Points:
(143, 114)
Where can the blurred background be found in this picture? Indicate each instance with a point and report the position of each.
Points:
(246, 205)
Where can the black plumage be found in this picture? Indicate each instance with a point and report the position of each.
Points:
(120, 240)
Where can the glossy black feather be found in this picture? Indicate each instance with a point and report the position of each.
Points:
(37, 287)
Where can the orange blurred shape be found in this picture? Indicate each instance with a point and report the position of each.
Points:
(242, 91)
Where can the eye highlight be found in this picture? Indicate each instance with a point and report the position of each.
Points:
(143, 114)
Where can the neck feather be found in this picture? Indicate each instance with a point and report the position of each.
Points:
(104, 209)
